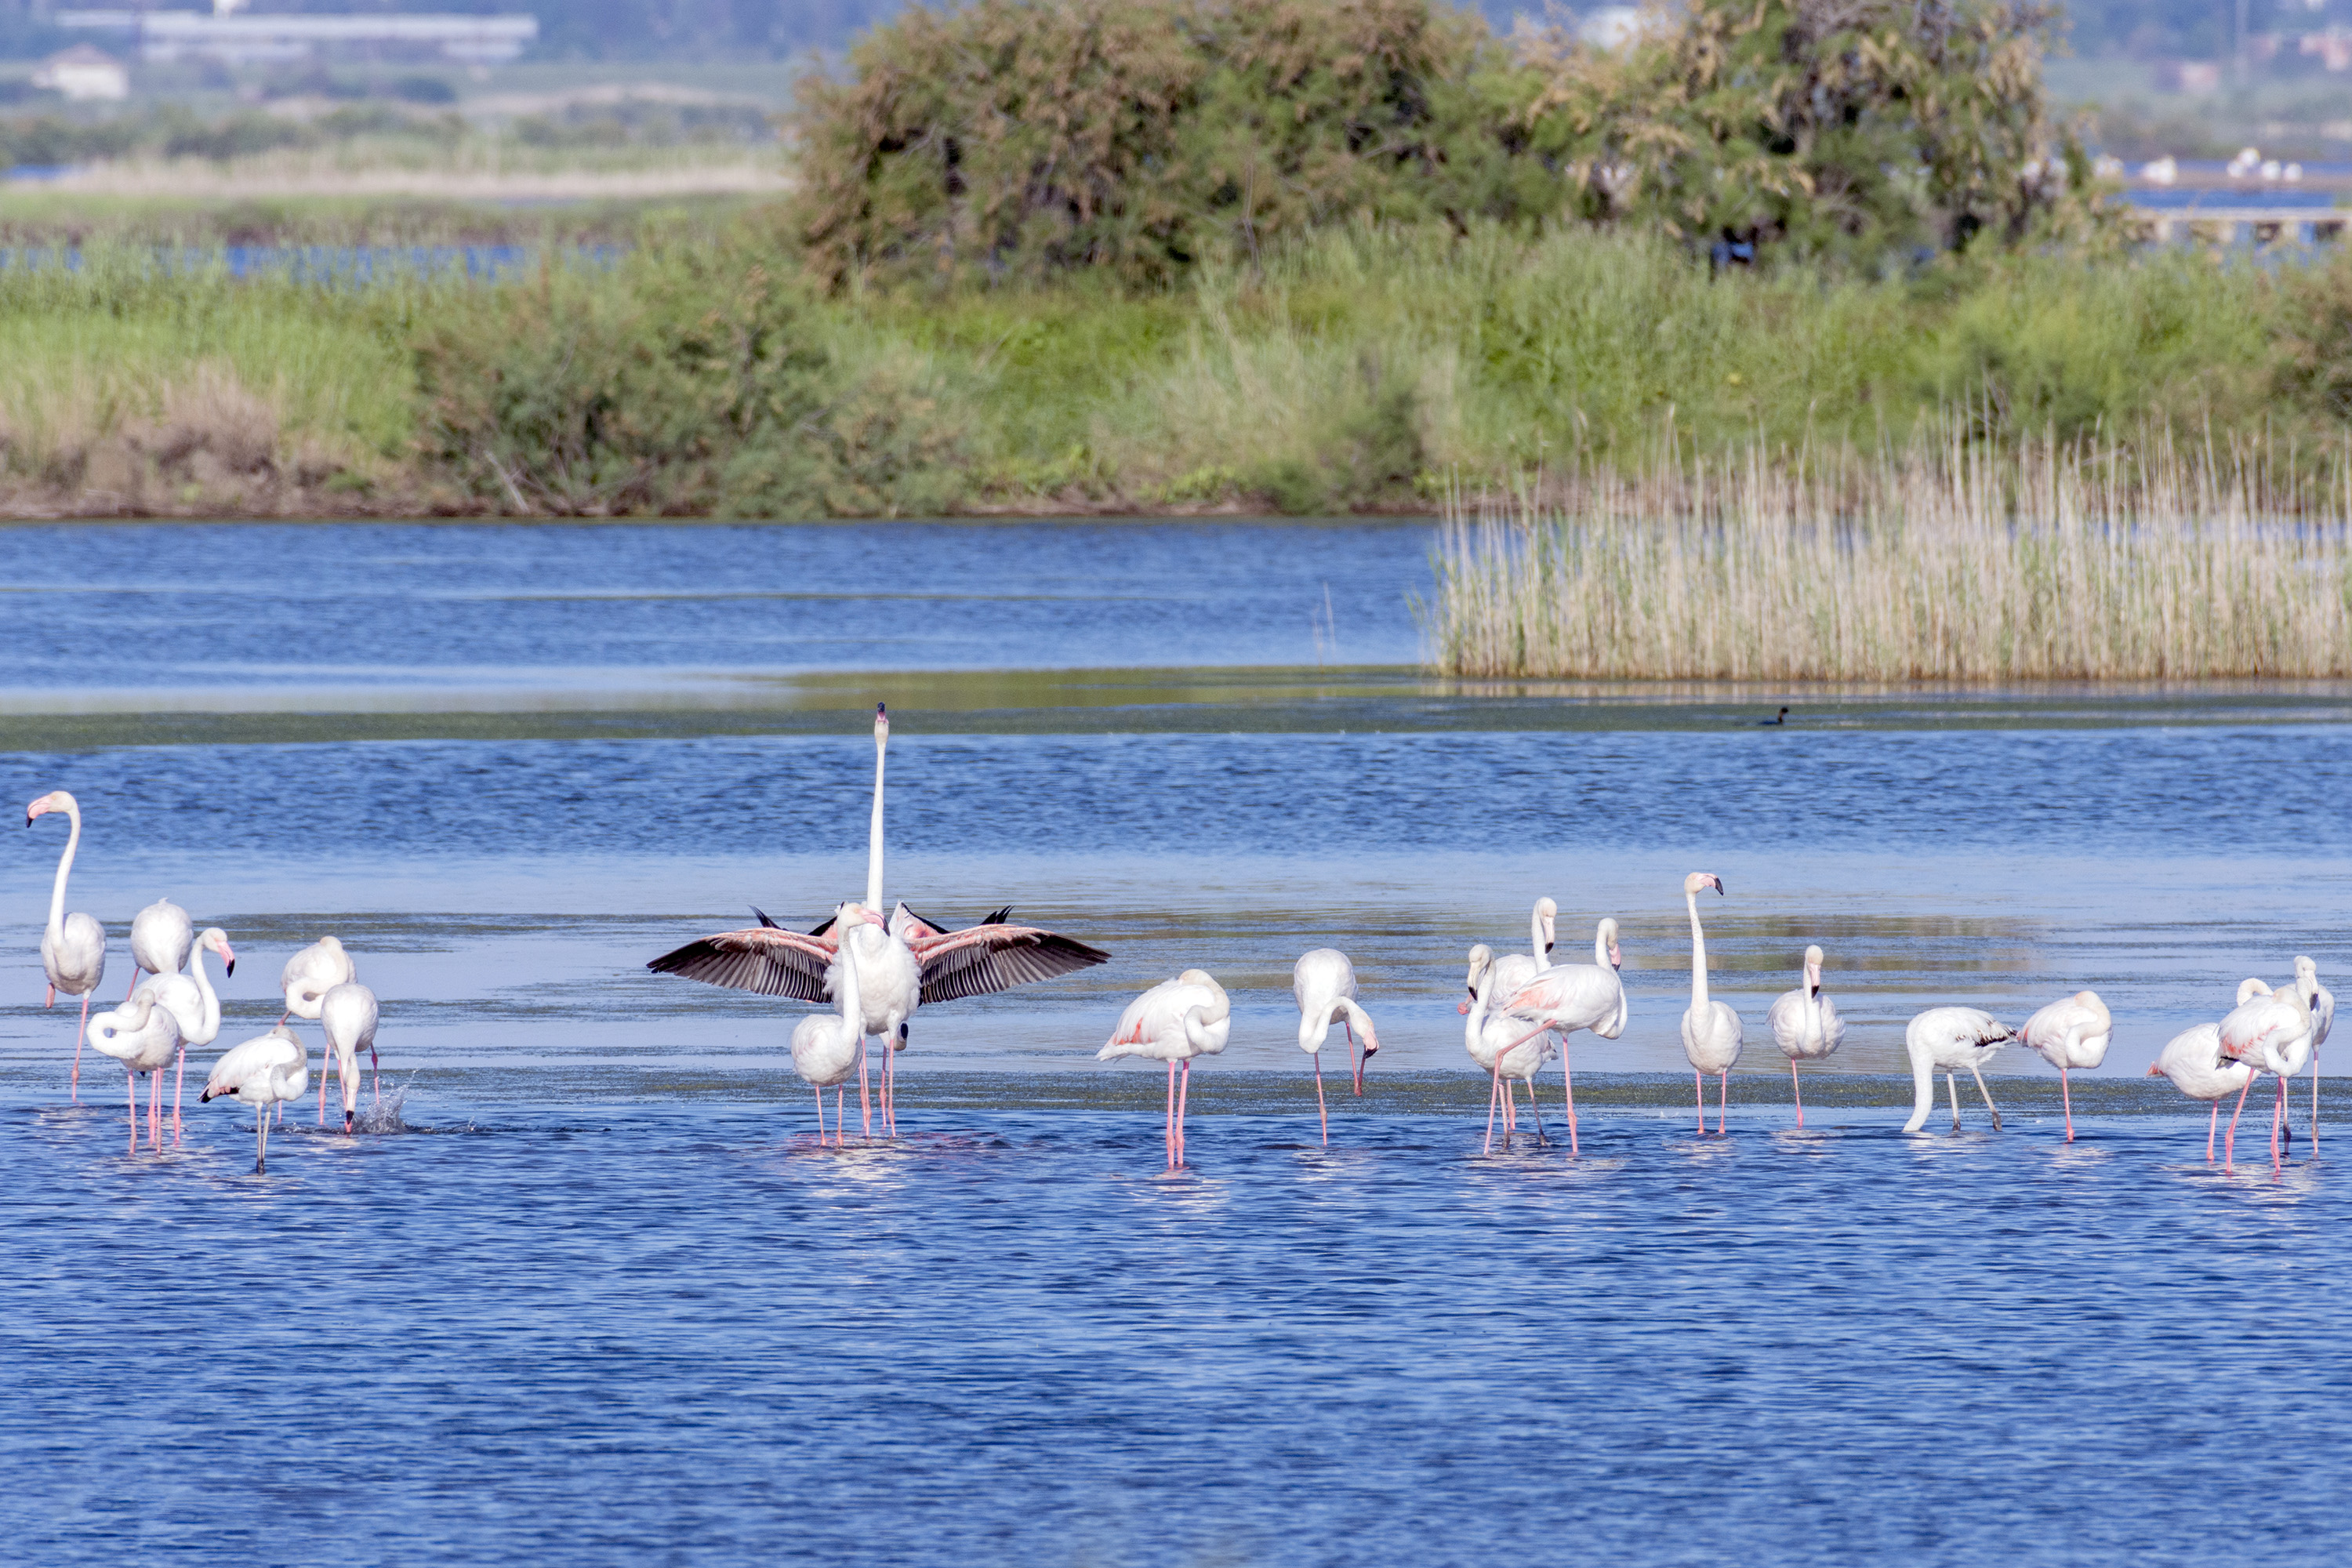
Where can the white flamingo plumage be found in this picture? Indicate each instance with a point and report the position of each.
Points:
(2321, 1001)
(1711, 1032)
(1805, 1024)
(1506, 975)
(1324, 983)
(348, 1015)
(265, 1071)
(73, 946)
(162, 937)
(2269, 1031)
(827, 1047)
(194, 1006)
(2194, 1059)
(2071, 1032)
(141, 1035)
(1945, 1039)
(1503, 1045)
(1567, 997)
(311, 974)
(1173, 1022)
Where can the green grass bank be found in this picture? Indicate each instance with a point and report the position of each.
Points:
(1361, 368)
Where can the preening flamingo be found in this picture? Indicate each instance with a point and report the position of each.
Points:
(827, 1047)
(2069, 1033)
(1510, 1053)
(73, 946)
(947, 964)
(1947, 1040)
(1572, 996)
(141, 1035)
(2321, 1001)
(348, 1014)
(1324, 982)
(162, 937)
(1173, 1022)
(194, 1006)
(2194, 1061)
(2269, 1031)
(1805, 1024)
(1711, 1034)
(1513, 969)
(265, 1071)
(311, 974)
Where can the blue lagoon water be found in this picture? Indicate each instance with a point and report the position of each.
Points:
(606, 1298)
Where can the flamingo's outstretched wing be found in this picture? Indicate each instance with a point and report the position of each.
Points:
(766, 959)
(910, 928)
(982, 959)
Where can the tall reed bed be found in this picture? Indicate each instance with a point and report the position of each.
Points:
(1945, 561)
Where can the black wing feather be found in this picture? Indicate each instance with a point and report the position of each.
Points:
(983, 969)
(772, 970)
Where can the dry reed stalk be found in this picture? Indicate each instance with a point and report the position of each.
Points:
(1946, 562)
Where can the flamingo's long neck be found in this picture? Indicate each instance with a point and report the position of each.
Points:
(1923, 1088)
(211, 1023)
(1536, 944)
(874, 839)
(1698, 957)
(1315, 1025)
(1600, 947)
(65, 868)
(850, 1008)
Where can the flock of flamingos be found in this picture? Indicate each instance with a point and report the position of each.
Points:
(1521, 1010)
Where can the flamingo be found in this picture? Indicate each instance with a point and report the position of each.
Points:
(1514, 970)
(2194, 1061)
(73, 946)
(2322, 1003)
(1950, 1038)
(162, 937)
(348, 1015)
(193, 1005)
(1173, 1022)
(141, 1035)
(1325, 984)
(311, 974)
(1710, 1029)
(826, 1047)
(912, 962)
(1502, 1044)
(1572, 996)
(2073, 1032)
(268, 1069)
(2271, 1032)
(1805, 1024)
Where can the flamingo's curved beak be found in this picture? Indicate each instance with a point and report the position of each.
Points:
(2154, 1071)
(1616, 959)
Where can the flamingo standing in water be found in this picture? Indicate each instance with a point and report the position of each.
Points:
(268, 1069)
(162, 937)
(194, 1006)
(2068, 1034)
(1572, 996)
(141, 1035)
(1947, 1040)
(1324, 982)
(2321, 1001)
(901, 966)
(2194, 1059)
(348, 1015)
(826, 1047)
(1805, 1024)
(1711, 1034)
(1173, 1022)
(1503, 1046)
(2269, 1031)
(73, 946)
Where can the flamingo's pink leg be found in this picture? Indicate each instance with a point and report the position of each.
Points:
(1320, 1110)
(179, 1080)
(1355, 1056)
(864, 1106)
(2229, 1142)
(1168, 1119)
(1798, 1089)
(2068, 1101)
(1698, 1091)
(156, 1111)
(1722, 1100)
(2211, 1123)
(820, 1116)
(85, 1029)
(375, 1072)
(131, 1084)
(2315, 1100)
(1494, 1087)
(328, 1056)
(2278, 1116)
(1568, 1088)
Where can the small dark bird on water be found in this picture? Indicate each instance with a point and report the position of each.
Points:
(1781, 718)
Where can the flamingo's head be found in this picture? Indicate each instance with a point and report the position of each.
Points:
(2251, 987)
(854, 913)
(2306, 975)
(1197, 977)
(881, 723)
(216, 940)
(1547, 914)
(1481, 957)
(1367, 1039)
(1604, 942)
(56, 800)
(1814, 956)
(2154, 1071)
(1698, 880)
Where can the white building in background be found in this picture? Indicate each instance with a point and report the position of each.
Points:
(223, 35)
(83, 73)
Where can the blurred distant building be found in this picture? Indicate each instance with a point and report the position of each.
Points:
(82, 72)
(222, 34)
